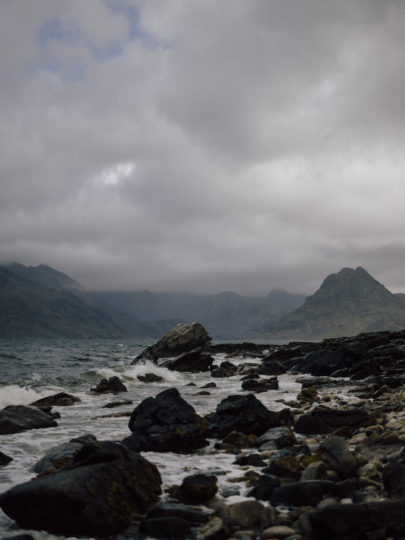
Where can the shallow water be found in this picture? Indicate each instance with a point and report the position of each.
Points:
(31, 369)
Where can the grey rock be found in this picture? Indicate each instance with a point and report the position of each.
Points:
(16, 418)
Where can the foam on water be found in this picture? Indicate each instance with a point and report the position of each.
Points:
(17, 395)
(147, 366)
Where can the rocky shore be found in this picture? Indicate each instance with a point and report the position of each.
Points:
(321, 466)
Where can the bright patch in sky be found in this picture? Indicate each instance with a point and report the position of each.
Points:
(114, 175)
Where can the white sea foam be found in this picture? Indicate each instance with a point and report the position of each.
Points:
(143, 368)
(17, 395)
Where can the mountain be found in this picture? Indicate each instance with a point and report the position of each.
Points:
(42, 302)
(347, 303)
(225, 315)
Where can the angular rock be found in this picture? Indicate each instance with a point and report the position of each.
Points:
(355, 521)
(337, 456)
(167, 423)
(326, 361)
(182, 338)
(111, 386)
(238, 439)
(272, 368)
(61, 399)
(225, 369)
(16, 418)
(264, 487)
(325, 419)
(98, 496)
(244, 413)
(281, 437)
(314, 471)
(260, 385)
(254, 460)
(4, 459)
(197, 488)
(193, 361)
(308, 492)
(247, 514)
(192, 515)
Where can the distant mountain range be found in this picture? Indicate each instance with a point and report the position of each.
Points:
(42, 302)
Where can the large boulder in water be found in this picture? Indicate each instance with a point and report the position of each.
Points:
(166, 423)
(194, 361)
(15, 418)
(98, 496)
(325, 419)
(184, 337)
(61, 399)
(245, 414)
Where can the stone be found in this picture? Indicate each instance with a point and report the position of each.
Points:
(225, 369)
(197, 488)
(308, 492)
(238, 439)
(61, 399)
(337, 456)
(355, 521)
(184, 337)
(282, 437)
(167, 527)
(393, 477)
(57, 458)
(191, 514)
(215, 529)
(167, 423)
(111, 386)
(272, 368)
(314, 471)
(247, 514)
(4, 459)
(278, 531)
(16, 418)
(324, 419)
(253, 460)
(114, 404)
(98, 496)
(149, 378)
(260, 385)
(244, 413)
(264, 487)
(193, 361)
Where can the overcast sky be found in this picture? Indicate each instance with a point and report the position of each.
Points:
(203, 145)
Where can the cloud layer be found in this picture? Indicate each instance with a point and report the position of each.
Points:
(206, 146)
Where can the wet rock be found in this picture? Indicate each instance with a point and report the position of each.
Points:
(244, 413)
(281, 437)
(99, 495)
(326, 361)
(314, 471)
(260, 385)
(114, 404)
(167, 423)
(355, 521)
(278, 531)
(16, 418)
(149, 378)
(215, 529)
(184, 337)
(167, 527)
(337, 456)
(191, 514)
(308, 492)
(308, 395)
(4, 459)
(239, 440)
(61, 399)
(193, 361)
(197, 488)
(325, 419)
(393, 477)
(254, 460)
(225, 369)
(272, 368)
(111, 386)
(285, 464)
(247, 514)
(264, 487)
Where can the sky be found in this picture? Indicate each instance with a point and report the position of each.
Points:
(198, 145)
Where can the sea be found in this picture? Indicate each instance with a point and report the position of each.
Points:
(33, 368)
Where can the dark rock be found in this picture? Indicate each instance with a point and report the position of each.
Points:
(272, 368)
(114, 404)
(167, 423)
(308, 492)
(245, 414)
(57, 458)
(193, 516)
(247, 514)
(285, 464)
(393, 478)
(215, 529)
(260, 385)
(111, 386)
(308, 395)
(197, 488)
(15, 418)
(325, 420)
(326, 361)
(238, 439)
(314, 471)
(280, 437)
(150, 377)
(193, 361)
(225, 369)
(182, 338)
(99, 495)
(210, 385)
(254, 460)
(264, 487)
(337, 456)
(355, 521)
(4, 459)
(167, 527)
(62, 399)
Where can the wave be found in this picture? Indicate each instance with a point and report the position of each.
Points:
(149, 367)
(17, 395)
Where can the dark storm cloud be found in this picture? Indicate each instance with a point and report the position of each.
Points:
(203, 145)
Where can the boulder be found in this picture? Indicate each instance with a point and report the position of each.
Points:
(253, 460)
(277, 437)
(225, 369)
(99, 495)
(15, 418)
(167, 527)
(336, 454)
(326, 361)
(393, 478)
(184, 337)
(197, 488)
(193, 516)
(61, 399)
(193, 361)
(4, 459)
(260, 385)
(272, 367)
(309, 492)
(111, 386)
(247, 514)
(264, 487)
(167, 423)
(355, 521)
(325, 419)
(244, 413)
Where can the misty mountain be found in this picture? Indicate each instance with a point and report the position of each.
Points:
(225, 315)
(41, 302)
(347, 303)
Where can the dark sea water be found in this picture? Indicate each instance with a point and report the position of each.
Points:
(32, 369)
